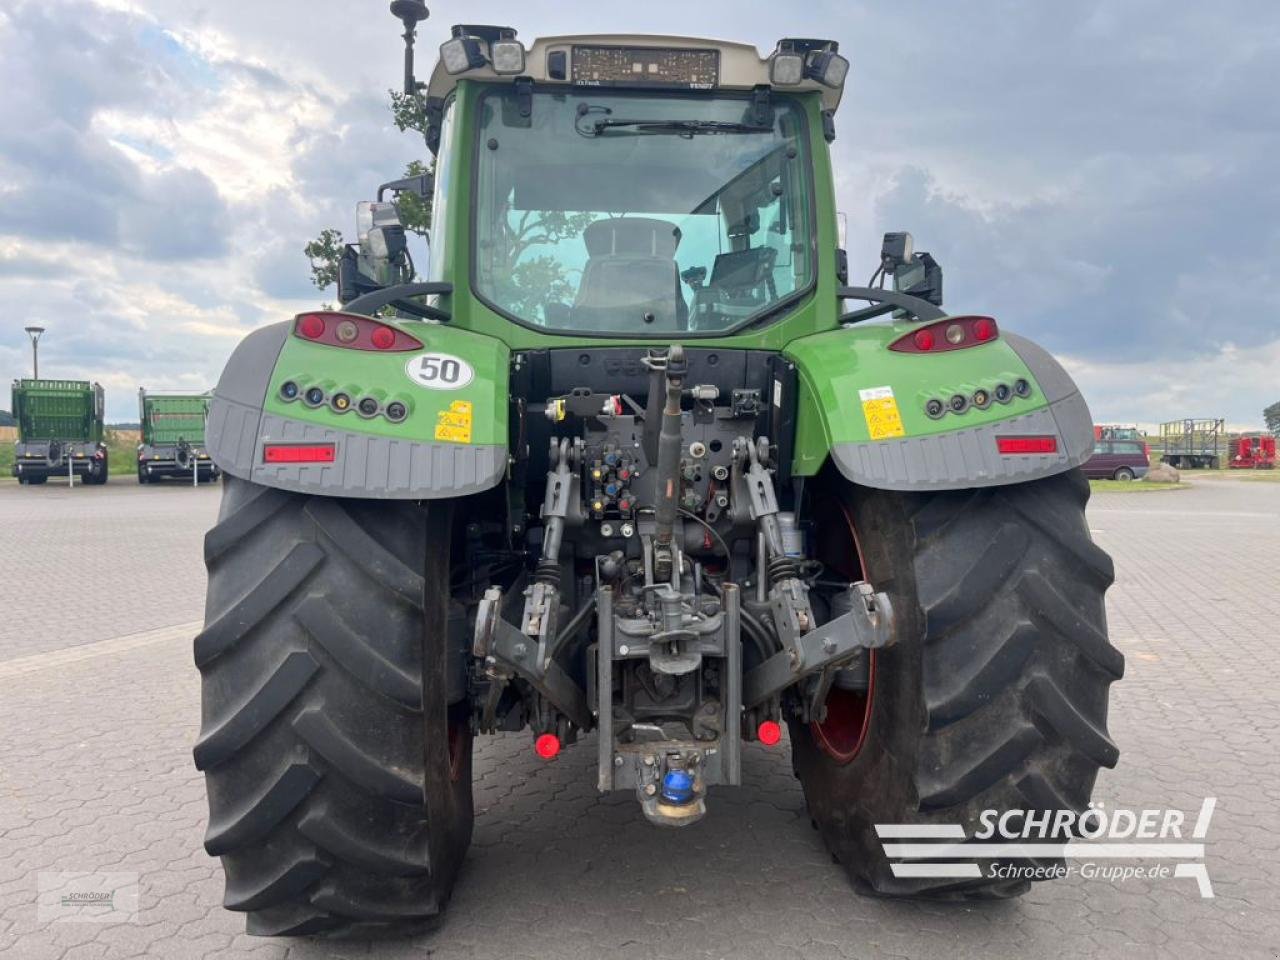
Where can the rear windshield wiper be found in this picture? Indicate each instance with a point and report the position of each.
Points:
(680, 128)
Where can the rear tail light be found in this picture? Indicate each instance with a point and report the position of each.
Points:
(353, 332)
(953, 333)
(769, 732)
(299, 452)
(1013, 446)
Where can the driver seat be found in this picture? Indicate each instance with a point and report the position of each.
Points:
(631, 271)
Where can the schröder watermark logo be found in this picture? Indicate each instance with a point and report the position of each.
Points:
(87, 897)
(1090, 844)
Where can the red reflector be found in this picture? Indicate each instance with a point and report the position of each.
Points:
(311, 326)
(547, 746)
(1014, 445)
(298, 453)
(983, 328)
(924, 339)
(769, 733)
(383, 338)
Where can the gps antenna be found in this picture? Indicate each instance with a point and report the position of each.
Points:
(410, 13)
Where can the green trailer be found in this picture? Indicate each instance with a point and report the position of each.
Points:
(636, 469)
(60, 430)
(172, 437)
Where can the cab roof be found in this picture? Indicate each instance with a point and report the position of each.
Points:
(741, 67)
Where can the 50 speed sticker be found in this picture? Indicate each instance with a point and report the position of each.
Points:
(880, 409)
(454, 424)
(439, 371)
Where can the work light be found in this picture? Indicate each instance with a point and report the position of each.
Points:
(828, 68)
(787, 69)
(507, 56)
(460, 54)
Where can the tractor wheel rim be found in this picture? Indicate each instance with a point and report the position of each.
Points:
(843, 732)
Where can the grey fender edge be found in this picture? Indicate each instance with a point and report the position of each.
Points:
(364, 465)
(967, 457)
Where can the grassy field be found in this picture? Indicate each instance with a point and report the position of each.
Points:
(1132, 486)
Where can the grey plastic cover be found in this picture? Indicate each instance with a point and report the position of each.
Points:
(364, 465)
(969, 457)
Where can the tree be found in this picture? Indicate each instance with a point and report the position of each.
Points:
(407, 113)
(1272, 415)
(324, 252)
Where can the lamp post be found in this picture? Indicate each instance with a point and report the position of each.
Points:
(34, 334)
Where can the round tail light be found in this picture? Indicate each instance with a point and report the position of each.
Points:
(311, 326)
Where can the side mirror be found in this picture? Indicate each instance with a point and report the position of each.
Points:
(917, 274)
(921, 278)
(383, 249)
(420, 186)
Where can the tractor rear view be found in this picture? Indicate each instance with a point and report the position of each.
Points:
(634, 469)
(60, 431)
(172, 437)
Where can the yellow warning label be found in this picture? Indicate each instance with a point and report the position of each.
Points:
(880, 409)
(454, 424)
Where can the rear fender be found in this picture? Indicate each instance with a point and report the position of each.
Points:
(453, 442)
(864, 407)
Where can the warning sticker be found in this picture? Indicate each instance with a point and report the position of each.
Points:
(881, 411)
(454, 423)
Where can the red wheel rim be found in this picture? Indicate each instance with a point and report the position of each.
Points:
(843, 731)
(459, 739)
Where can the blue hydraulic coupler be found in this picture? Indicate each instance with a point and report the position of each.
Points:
(677, 787)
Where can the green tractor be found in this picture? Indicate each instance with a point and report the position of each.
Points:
(636, 470)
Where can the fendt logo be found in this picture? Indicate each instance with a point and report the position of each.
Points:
(1089, 844)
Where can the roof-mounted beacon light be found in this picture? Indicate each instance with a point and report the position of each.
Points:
(798, 59)
(465, 50)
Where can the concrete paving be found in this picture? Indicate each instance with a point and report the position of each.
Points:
(100, 590)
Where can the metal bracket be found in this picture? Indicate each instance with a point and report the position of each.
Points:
(506, 651)
(762, 105)
(868, 626)
(524, 96)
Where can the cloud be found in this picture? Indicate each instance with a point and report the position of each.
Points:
(1097, 175)
(64, 66)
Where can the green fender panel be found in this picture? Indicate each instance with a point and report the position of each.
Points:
(864, 406)
(453, 441)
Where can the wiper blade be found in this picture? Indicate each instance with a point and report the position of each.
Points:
(680, 128)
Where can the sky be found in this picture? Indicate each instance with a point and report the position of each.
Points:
(1099, 176)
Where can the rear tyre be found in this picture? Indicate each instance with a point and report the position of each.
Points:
(995, 694)
(338, 774)
(1124, 473)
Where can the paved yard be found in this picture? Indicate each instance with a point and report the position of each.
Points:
(99, 591)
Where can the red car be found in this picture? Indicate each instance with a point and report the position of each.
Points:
(1117, 460)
